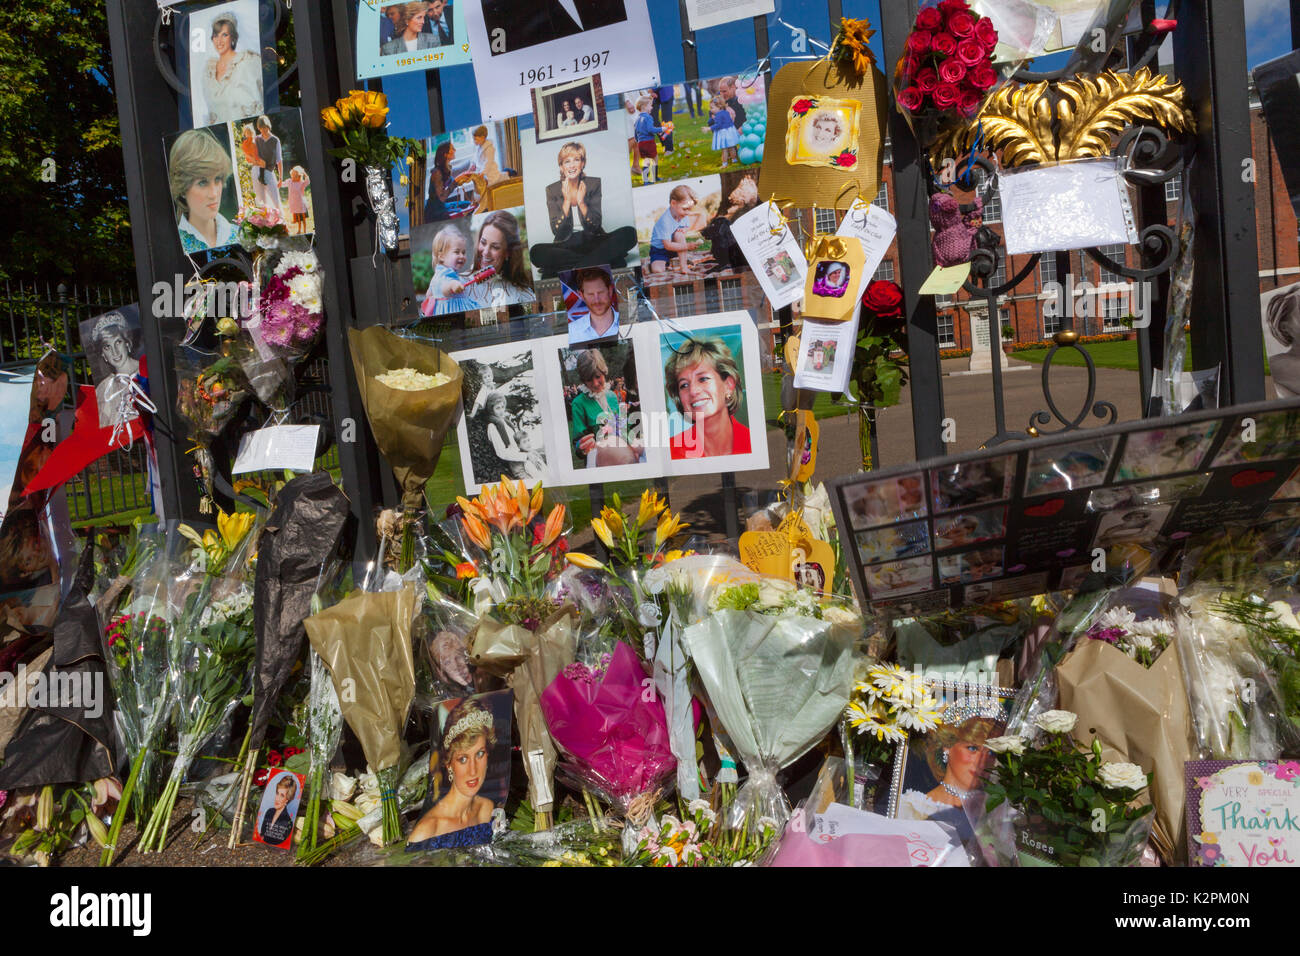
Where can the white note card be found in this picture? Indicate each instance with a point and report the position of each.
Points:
(876, 228)
(776, 258)
(826, 352)
(279, 447)
(1076, 205)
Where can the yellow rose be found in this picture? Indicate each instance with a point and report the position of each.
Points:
(331, 119)
(374, 116)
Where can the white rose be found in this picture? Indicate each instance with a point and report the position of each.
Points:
(1056, 721)
(1005, 745)
(773, 592)
(1122, 776)
(841, 616)
(342, 786)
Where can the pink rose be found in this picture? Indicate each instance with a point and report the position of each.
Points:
(983, 77)
(911, 99)
(970, 101)
(961, 23)
(951, 71)
(918, 42)
(929, 19)
(970, 52)
(927, 80)
(945, 43)
(946, 95)
(986, 33)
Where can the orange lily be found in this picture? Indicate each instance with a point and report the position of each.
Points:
(470, 507)
(477, 531)
(535, 505)
(522, 500)
(554, 525)
(584, 561)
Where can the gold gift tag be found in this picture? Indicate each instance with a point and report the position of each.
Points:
(806, 435)
(835, 265)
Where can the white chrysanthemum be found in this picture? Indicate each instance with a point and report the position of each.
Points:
(306, 261)
(1120, 617)
(1142, 642)
(923, 718)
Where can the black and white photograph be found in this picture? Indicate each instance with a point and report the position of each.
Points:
(224, 47)
(592, 305)
(580, 214)
(568, 109)
(1130, 526)
(279, 807)
(271, 169)
(513, 26)
(114, 348)
(469, 772)
(205, 201)
(1280, 309)
(500, 432)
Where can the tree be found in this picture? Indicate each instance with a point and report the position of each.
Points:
(62, 181)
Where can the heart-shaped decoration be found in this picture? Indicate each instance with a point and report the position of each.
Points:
(464, 48)
(1046, 509)
(1179, 535)
(1016, 570)
(1066, 553)
(1244, 479)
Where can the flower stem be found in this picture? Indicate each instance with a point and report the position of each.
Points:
(119, 815)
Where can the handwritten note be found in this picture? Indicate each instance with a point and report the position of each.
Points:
(278, 447)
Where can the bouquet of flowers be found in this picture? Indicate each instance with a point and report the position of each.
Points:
(290, 305)
(616, 739)
(889, 702)
(700, 838)
(946, 71)
(1055, 802)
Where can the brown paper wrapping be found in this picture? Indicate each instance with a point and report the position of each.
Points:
(1140, 716)
(529, 662)
(409, 427)
(366, 641)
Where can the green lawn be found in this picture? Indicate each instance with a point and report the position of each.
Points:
(1105, 354)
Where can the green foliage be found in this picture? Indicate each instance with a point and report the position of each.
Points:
(61, 167)
(878, 378)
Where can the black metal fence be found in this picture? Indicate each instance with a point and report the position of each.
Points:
(35, 319)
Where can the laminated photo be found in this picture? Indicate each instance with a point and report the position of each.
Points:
(406, 37)
(898, 578)
(871, 503)
(464, 171)
(271, 169)
(500, 431)
(592, 306)
(568, 109)
(893, 542)
(279, 807)
(224, 44)
(469, 772)
(1068, 467)
(974, 483)
(969, 527)
(469, 263)
(1165, 451)
(1130, 526)
(670, 220)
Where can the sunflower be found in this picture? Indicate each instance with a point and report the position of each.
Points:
(851, 47)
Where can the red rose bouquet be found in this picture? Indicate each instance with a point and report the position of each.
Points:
(946, 71)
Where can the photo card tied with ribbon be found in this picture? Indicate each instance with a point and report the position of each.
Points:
(835, 267)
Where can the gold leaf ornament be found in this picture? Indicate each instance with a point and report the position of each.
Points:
(1095, 109)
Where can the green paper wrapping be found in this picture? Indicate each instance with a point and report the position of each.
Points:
(529, 662)
(409, 426)
(366, 641)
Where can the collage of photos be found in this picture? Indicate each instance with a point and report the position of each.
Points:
(893, 552)
(684, 227)
(404, 36)
(250, 166)
(469, 772)
(500, 431)
(1261, 437)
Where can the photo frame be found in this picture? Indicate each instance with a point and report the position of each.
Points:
(1280, 315)
(569, 109)
(1126, 526)
(823, 131)
(970, 714)
(385, 46)
(1165, 451)
(278, 809)
(469, 772)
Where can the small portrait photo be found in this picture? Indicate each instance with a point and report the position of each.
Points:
(823, 132)
(225, 44)
(581, 214)
(1068, 467)
(114, 347)
(872, 503)
(1130, 526)
(591, 302)
(279, 807)
(1146, 493)
(1072, 577)
(821, 355)
(600, 394)
(406, 28)
(1281, 316)
(670, 223)
(934, 773)
(567, 109)
(893, 542)
(974, 483)
(1165, 451)
(711, 410)
(780, 268)
(469, 772)
(831, 279)
(897, 578)
(513, 26)
(971, 566)
(479, 262)
(500, 432)
(723, 253)
(270, 170)
(969, 527)
(200, 172)
(1290, 488)
(697, 128)
(1264, 437)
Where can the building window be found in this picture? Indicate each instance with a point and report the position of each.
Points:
(684, 299)
(732, 297)
(1115, 253)
(884, 272)
(1004, 322)
(999, 274)
(1046, 270)
(992, 202)
(882, 197)
(1112, 312)
(947, 335)
(1051, 323)
(1173, 189)
(824, 220)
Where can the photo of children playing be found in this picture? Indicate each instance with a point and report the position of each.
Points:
(269, 166)
(684, 227)
(693, 129)
(600, 392)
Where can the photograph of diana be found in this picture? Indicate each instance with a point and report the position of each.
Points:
(408, 27)
(225, 62)
(269, 168)
(469, 772)
(199, 174)
(935, 772)
(584, 217)
(1281, 310)
(705, 385)
(279, 806)
(115, 349)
